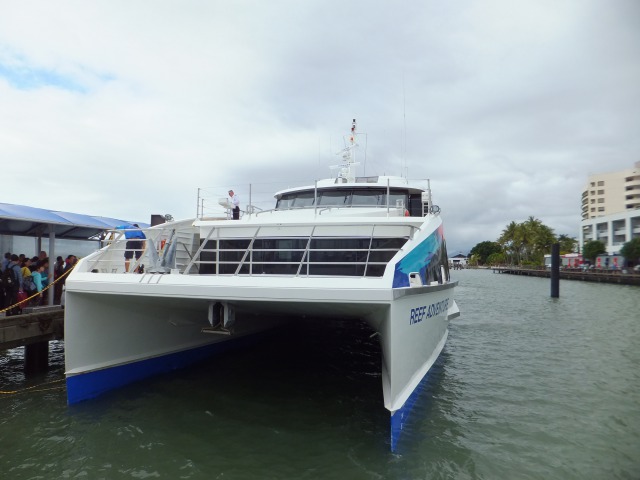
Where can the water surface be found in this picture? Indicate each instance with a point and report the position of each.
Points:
(528, 387)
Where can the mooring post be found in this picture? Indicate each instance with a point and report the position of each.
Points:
(555, 270)
(36, 358)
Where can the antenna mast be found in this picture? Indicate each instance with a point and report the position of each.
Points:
(348, 167)
(404, 136)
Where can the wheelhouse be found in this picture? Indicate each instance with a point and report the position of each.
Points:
(414, 201)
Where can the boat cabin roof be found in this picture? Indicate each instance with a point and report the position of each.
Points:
(376, 182)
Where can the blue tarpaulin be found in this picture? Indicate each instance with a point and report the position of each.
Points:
(34, 222)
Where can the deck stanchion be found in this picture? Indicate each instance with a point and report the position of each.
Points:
(555, 270)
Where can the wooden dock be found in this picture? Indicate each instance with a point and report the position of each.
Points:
(602, 276)
(33, 330)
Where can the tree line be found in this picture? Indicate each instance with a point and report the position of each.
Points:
(527, 243)
(524, 243)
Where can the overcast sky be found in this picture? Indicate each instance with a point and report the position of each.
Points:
(124, 109)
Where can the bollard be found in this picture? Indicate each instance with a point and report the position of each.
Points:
(555, 270)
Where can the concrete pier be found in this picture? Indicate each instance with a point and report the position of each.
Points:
(33, 330)
(586, 276)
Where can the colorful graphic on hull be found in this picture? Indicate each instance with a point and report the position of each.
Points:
(419, 259)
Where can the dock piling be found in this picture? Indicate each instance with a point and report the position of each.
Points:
(36, 358)
(555, 270)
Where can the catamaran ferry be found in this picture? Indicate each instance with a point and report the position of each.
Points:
(349, 247)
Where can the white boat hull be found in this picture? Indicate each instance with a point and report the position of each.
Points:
(116, 338)
(121, 327)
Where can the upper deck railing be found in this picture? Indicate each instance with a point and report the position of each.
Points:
(330, 249)
(317, 253)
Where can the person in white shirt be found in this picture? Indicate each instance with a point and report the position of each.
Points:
(235, 201)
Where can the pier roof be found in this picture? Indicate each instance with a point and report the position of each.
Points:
(35, 222)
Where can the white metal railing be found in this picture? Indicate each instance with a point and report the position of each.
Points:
(250, 263)
(155, 251)
(187, 256)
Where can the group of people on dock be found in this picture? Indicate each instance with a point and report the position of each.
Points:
(23, 277)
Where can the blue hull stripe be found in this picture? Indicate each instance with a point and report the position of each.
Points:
(400, 418)
(89, 385)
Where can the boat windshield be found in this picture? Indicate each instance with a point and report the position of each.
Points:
(367, 197)
(337, 198)
(298, 200)
(371, 197)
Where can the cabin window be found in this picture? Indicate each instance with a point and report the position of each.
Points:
(302, 200)
(395, 243)
(233, 250)
(288, 256)
(397, 200)
(285, 202)
(362, 198)
(295, 200)
(208, 258)
(339, 243)
(281, 256)
(280, 243)
(337, 198)
(351, 197)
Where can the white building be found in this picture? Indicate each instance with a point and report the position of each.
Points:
(613, 230)
(459, 260)
(611, 208)
(611, 193)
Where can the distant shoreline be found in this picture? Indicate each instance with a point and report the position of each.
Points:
(615, 277)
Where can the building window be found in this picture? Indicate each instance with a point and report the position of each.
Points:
(601, 183)
(593, 200)
(600, 192)
(601, 200)
(593, 184)
(601, 209)
(593, 209)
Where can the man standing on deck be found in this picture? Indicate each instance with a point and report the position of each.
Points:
(135, 245)
(235, 201)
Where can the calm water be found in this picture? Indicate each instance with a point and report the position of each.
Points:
(528, 387)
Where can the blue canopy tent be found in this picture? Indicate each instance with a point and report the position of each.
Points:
(35, 222)
(21, 220)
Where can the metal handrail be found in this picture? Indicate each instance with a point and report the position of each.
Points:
(249, 249)
(306, 253)
(305, 259)
(246, 256)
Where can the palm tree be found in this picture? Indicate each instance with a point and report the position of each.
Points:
(526, 241)
(508, 241)
(567, 244)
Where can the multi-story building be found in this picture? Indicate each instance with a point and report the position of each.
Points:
(615, 192)
(611, 208)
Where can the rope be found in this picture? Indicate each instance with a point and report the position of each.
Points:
(41, 292)
(24, 390)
